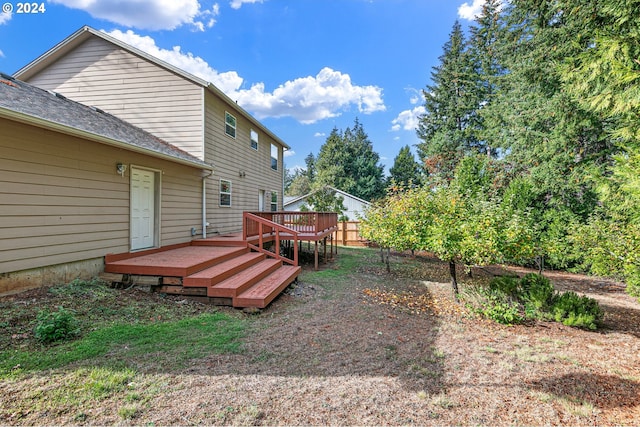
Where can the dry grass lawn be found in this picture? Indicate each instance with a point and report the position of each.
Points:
(367, 347)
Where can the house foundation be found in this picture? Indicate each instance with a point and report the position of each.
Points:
(19, 281)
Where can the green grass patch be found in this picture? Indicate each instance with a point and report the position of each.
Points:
(161, 345)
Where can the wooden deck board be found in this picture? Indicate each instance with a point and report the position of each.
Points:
(219, 272)
(266, 290)
(175, 262)
(243, 280)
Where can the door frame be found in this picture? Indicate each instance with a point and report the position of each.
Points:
(157, 174)
(262, 194)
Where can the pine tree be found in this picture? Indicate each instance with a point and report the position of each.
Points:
(405, 169)
(451, 103)
(548, 139)
(486, 34)
(347, 161)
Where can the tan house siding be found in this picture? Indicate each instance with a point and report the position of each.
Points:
(101, 74)
(233, 157)
(61, 200)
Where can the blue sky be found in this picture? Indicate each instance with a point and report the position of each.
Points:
(302, 67)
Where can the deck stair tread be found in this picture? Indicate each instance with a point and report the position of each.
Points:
(222, 271)
(177, 262)
(263, 292)
(243, 280)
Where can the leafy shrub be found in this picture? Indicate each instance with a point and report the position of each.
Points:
(579, 311)
(510, 300)
(54, 326)
(494, 304)
(506, 285)
(537, 293)
(502, 309)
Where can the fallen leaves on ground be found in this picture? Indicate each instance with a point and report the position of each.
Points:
(416, 303)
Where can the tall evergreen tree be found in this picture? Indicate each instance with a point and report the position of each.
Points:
(405, 169)
(451, 103)
(347, 161)
(548, 139)
(486, 35)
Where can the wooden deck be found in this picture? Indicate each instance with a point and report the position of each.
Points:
(224, 275)
(246, 269)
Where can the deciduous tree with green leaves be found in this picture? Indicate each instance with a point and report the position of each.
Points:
(458, 225)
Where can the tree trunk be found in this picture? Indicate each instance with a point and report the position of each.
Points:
(454, 280)
(388, 256)
(540, 264)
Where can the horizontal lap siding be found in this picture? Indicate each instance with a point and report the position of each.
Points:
(230, 156)
(61, 199)
(100, 74)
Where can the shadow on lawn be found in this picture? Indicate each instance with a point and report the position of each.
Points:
(343, 335)
(600, 390)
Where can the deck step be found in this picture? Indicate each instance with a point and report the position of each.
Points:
(267, 289)
(238, 283)
(180, 262)
(222, 271)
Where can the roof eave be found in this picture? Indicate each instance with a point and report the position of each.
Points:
(82, 35)
(245, 113)
(68, 130)
(75, 39)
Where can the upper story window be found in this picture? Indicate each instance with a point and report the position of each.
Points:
(225, 192)
(254, 139)
(229, 125)
(274, 157)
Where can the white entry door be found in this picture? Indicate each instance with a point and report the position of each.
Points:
(143, 204)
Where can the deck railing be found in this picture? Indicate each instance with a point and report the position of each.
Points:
(302, 222)
(270, 226)
(265, 230)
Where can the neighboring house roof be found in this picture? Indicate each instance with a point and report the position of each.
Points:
(84, 33)
(26, 103)
(340, 192)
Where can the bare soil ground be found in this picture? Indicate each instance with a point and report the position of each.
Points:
(382, 348)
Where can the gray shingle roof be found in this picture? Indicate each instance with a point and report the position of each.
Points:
(29, 100)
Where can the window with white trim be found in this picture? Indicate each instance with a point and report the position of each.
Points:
(254, 139)
(225, 192)
(274, 201)
(229, 125)
(274, 157)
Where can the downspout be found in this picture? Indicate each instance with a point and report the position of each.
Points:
(284, 172)
(204, 204)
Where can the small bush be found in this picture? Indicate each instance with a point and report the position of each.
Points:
(56, 326)
(510, 300)
(579, 311)
(506, 285)
(537, 293)
(502, 309)
(493, 304)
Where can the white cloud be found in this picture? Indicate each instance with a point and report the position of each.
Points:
(145, 14)
(470, 11)
(237, 4)
(306, 99)
(226, 82)
(1, 54)
(312, 98)
(408, 119)
(319, 134)
(5, 17)
(289, 153)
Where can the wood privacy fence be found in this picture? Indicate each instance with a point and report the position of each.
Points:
(348, 234)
